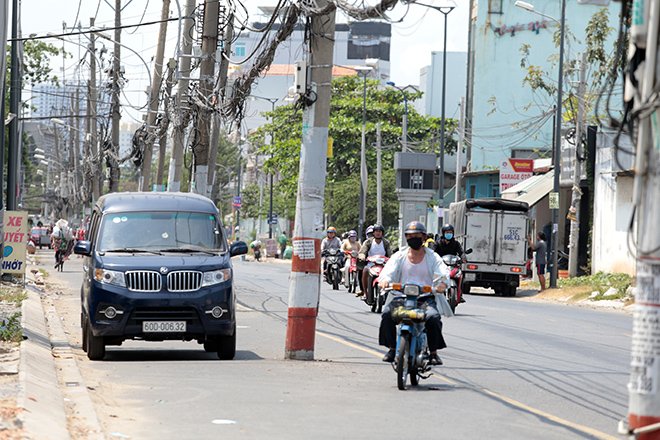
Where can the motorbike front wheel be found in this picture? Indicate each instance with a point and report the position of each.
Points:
(402, 360)
(375, 305)
(336, 275)
(451, 298)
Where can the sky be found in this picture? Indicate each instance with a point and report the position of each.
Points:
(416, 32)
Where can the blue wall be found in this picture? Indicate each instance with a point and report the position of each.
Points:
(498, 74)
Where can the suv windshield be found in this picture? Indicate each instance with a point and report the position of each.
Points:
(160, 230)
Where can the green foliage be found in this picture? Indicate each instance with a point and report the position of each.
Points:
(601, 282)
(11, 330)
(382, 105)
(599, 63)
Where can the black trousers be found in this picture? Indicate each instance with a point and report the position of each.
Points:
(432, 322)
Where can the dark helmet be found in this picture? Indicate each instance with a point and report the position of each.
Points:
(378, 226)
(447, 227)
(414, 227)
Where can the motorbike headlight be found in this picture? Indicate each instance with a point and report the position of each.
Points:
(107, 276)
(216, 277)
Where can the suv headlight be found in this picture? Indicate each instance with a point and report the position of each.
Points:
(216, 277)
(110, 277)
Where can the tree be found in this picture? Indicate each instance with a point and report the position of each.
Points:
(599, 63)
(384, 105)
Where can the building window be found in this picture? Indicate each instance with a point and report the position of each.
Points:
(240, 49)
(494, 6)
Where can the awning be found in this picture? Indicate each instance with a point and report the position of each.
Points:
(531, 190)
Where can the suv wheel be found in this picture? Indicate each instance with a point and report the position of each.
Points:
(95, 345)
(227, 346)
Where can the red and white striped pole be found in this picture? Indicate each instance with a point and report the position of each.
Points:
(305, 284)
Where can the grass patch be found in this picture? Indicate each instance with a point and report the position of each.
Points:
(600, 282)
(43, 272)
(11, 298)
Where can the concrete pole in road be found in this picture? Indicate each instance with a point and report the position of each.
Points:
(305, 278)
(643, 388)
(577, 173)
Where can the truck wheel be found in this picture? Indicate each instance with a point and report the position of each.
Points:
(95, 345)
(510, 291)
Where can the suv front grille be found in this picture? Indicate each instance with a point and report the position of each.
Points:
(184, 281)
(144, 281)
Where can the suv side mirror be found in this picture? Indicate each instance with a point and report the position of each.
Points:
(83, 248)
(238, 248)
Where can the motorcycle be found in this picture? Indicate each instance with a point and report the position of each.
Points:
(454, 291)
(257, 253)
(333, 267)
(412, 350)
(375, 297)
(351, 272)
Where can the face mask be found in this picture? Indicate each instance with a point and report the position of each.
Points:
(449, 236)
(414, 242)
(352, 238)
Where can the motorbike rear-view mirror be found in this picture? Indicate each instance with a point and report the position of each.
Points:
(469, 251)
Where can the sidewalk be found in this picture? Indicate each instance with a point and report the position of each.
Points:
(52, 400)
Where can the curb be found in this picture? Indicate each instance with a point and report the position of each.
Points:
(52, 390)
(40, 396)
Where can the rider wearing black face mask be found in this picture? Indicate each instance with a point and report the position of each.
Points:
(414, 264)
(447, 244)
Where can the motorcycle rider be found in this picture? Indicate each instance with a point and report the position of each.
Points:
(447, 245)
(414, 264)
(376, 245)
(330, 242)
(349, 245)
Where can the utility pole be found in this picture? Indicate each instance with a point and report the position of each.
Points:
(459, 149)
(162, 141)
(305, 284)
(97, 166)
(379, 184)
(222, 83)
(577, 173)
(180, 123)
(206, 77)
(154, 93)
(73, 134)
(116, 117)
(14, 156)
(644, 392)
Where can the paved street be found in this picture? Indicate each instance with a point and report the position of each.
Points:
(514, 369)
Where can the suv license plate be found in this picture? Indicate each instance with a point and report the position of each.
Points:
(470, 276)
(163, 326)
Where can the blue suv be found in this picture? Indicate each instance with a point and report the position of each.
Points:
(157, 267)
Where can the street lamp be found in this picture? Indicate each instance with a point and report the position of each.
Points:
(270, 211)
(555, 206)
(445, 10)
(405, 116)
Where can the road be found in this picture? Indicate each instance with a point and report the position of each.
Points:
(514, 369)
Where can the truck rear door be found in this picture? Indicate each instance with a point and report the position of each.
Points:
(479, 235)
(511, 246)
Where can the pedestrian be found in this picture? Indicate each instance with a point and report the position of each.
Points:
(540, 247)
(282, 240)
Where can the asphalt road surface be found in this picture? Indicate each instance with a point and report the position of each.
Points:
(514, 369)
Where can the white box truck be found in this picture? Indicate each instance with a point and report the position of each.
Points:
(495, 229)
